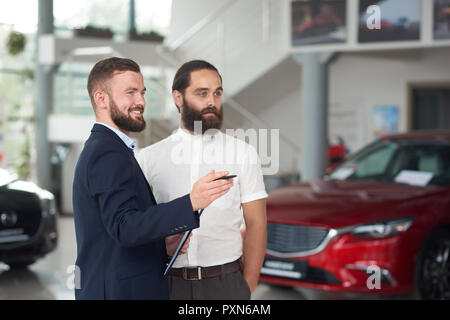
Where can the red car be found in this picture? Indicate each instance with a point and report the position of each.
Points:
(379, 223)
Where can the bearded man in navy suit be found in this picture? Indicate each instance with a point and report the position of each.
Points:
(120, 229)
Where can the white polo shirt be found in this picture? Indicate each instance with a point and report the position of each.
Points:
(174, 164)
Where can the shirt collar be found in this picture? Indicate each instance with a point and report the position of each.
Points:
(130, 143)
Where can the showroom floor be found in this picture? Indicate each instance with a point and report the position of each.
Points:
(47, 278)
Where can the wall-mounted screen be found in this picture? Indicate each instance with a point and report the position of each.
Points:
(389, 20)
(441, 25)
(318, 22)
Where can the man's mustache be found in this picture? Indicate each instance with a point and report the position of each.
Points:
(211, 110)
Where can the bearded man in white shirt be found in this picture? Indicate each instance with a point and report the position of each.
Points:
(214, 263)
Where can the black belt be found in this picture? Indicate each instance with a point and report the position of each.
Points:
(198, 273)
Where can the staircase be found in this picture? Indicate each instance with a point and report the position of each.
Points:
(240, 37)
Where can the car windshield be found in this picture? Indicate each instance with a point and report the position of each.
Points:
(413, 162)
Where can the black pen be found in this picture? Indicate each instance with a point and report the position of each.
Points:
(226, 177)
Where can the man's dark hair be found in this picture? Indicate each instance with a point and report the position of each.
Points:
(104, 70)
(182, 78)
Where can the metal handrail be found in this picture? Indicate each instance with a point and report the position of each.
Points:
(261, 123)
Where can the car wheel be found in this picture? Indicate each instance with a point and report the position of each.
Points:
(433, 268)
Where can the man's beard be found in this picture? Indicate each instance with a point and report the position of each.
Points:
(124, 122)
(189, 115)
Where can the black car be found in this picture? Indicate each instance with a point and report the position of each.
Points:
(28, 221)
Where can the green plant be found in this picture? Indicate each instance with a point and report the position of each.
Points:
(92, 31)
(149, 36)
(16, 43)
(27, 73)
(92, 27)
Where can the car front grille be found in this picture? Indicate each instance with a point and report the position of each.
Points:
(26, 209)
(286, 239)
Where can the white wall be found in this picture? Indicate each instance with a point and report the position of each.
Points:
(186, 13)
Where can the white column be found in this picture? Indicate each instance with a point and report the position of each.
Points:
(314, 123)
(44, 98)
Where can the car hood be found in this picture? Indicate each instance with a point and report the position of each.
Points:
(338, 204)
(10, 183)
(6, 177)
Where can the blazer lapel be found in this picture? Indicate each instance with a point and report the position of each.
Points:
(100, 128)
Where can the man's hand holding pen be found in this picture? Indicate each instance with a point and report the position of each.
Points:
(209, 188)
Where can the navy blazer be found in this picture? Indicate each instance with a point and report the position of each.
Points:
(120, 229)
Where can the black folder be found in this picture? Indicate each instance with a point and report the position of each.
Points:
(180, 246)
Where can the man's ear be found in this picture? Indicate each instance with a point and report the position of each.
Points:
(178, 99)
(101, 99)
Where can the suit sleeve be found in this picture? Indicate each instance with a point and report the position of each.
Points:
(113, 184)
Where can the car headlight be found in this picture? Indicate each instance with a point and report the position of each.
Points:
(48, 207)
(383, 228)
(48, 203)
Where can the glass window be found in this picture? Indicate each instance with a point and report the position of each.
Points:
(153, 15)
(384, 161)
(373, 162)
(112, 14)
